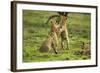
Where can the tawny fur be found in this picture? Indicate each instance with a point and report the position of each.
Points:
(64, 32)
(86, 48)
(59, 22)
(51, 41)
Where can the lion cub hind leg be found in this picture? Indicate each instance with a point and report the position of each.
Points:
(44, 49)
(45, 46)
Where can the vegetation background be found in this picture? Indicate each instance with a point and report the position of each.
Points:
(35, 32)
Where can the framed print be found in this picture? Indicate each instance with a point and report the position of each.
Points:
(47, 36)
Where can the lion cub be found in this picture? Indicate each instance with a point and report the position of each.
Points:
(51, 42)
(86, 48)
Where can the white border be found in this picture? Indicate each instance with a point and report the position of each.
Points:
(21, 65)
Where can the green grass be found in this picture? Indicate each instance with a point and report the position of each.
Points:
(35, 32)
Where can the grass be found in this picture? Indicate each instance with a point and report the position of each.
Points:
(35, 32)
